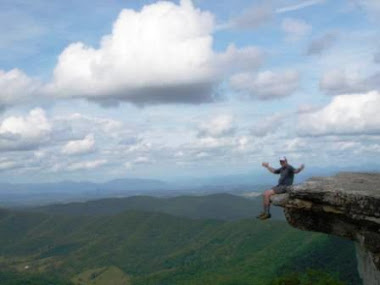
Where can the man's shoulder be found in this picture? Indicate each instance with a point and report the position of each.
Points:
(290, 167)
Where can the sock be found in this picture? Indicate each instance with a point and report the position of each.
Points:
(266, 209)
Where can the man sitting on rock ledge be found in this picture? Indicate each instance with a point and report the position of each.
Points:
(286, 172)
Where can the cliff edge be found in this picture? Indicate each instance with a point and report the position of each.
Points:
(346, 205)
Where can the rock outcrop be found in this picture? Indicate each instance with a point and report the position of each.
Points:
(346, 205)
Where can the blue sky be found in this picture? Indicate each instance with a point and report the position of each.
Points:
(96, 90)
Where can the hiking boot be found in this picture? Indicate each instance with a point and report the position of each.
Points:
(261, 215)
(265, 216)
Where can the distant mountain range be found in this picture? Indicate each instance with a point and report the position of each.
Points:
(44, 193)
(114, 185)
(70, 191)
(21, 194)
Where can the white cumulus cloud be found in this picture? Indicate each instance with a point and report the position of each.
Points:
(238, 59)
(84, 146)
(345, 115)
(16, 87)
(339, 81)
(25, 132)
(161, 54)
(220, 126)
(266, 85)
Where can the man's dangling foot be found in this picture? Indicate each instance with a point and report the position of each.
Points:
(261, 215)
(265, 216)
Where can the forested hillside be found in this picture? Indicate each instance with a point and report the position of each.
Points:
(157, 248)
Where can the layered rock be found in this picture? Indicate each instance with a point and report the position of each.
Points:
(346, 205)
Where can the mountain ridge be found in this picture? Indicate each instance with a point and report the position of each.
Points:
(222, 206)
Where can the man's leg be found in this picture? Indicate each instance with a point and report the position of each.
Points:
(266, 200)
(266, 203)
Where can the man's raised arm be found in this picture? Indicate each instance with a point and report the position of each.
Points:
(266, 165)
(298, 170)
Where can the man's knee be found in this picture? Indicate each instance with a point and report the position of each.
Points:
(268, 192)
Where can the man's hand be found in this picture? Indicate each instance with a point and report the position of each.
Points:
(298, 170)
(266, 165)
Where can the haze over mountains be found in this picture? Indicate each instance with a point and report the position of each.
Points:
(22, 194)
(44, 193)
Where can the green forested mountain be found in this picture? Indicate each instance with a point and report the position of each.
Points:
(217, 206)
(138, 247)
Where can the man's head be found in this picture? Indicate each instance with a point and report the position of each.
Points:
(283, 161)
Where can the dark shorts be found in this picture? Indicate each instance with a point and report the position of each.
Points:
(280, 189)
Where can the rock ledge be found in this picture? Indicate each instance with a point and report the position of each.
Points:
(346, 205)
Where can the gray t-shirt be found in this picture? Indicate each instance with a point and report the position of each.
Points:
(286, 175)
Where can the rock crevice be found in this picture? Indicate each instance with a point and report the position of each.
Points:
(346, 205)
